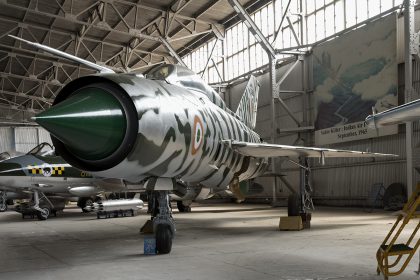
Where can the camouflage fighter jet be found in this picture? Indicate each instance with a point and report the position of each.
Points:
(44, 177)
(169, 128)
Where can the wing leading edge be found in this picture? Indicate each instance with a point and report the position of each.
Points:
(274, 150)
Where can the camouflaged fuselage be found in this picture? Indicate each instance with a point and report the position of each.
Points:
(179, 136)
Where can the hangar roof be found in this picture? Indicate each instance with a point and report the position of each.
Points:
(122, 34)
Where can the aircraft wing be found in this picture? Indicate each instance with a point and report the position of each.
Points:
(275, 150)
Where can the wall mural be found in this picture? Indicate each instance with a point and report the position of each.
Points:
(352, 74)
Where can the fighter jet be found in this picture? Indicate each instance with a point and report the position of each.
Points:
(40, 174)
(168, 127)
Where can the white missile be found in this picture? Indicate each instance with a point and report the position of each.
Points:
(400, 114)
(116, 205)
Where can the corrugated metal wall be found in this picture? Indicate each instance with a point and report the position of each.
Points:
(6, 139)
(22, 139)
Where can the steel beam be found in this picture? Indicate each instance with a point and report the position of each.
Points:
(196, 16)
(293, 31)
(18, 109)
(69, 17)
(381, 15)
(410, 45)
(31, 78)
(210, 57)
(253, 27)
(163, 12)
(276, 33)
(277, 91)
(285, 75)
(273, 89)
(172, 51)
(25, 95)
(44, 57)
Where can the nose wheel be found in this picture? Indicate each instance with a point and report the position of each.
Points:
(163, 223)
(163, 239)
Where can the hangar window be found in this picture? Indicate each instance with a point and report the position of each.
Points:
(239, 53)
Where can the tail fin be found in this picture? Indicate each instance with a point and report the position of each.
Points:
(247, 109)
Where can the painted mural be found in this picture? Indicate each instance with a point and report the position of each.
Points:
(352, 74)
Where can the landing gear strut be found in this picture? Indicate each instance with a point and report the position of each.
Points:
(163, 223)
(42, 212)
(159, 206)
(3, 201)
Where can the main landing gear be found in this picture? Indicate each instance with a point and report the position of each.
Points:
(42, 212)
(3, 201)
(183, 206)
(161, 220)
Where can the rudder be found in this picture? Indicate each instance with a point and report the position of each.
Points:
(247, 108)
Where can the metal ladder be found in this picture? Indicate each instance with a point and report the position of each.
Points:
(389, 247)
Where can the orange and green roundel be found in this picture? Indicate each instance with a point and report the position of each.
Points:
(198, 135)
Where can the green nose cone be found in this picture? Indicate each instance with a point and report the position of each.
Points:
(90, 123)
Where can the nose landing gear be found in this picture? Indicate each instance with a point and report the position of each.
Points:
(161, 222)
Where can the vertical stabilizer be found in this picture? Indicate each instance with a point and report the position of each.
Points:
(247, 109)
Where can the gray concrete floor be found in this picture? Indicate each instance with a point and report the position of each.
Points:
(220, 241)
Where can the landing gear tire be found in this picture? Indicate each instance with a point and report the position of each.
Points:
(182, 208)
(3, 207)
(293, 205)
(44, 214)
(83, 202)
(163, 239)
(163, 223)
(3, 202)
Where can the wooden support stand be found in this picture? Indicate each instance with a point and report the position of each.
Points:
(291, 223)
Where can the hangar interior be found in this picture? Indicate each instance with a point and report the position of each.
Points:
(308, 57)
(213, 40)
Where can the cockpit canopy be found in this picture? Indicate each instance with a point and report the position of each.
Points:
(43, 149)
(178, 75)
(184, 77)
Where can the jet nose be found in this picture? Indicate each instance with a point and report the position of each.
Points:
(91, 122)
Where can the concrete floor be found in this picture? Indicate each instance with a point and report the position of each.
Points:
(221, 241)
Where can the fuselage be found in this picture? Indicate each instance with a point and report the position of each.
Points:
(171, 124)
(179, 136)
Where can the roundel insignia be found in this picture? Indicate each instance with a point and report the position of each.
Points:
(198, 135)
(47, 170)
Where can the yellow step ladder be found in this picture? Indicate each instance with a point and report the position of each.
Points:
(389, 247)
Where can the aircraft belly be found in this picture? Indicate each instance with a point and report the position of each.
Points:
(16, 181)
